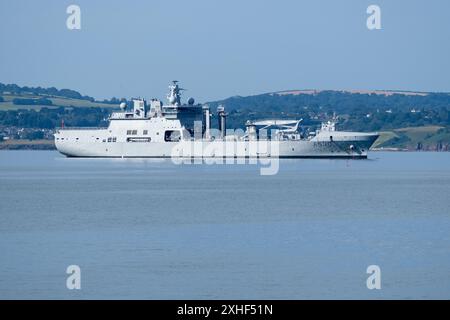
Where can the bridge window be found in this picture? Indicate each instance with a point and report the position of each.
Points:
(145, 132)
(137, 139)
(172, 136)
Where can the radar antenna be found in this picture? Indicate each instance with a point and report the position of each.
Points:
(174, 95)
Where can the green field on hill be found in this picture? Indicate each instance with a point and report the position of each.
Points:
(409, 138)
(405, 120)
(8, 104)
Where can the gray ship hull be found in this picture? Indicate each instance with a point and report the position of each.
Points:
(184, 131)
(355, 145)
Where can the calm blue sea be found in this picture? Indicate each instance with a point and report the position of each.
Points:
(146, 229)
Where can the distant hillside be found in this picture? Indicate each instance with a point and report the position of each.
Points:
(13, 97)
(376, 92)
(14, 89)
(406, 119)
(357, 110)
(423, 138)
(338, 101)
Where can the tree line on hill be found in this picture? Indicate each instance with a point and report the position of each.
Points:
(50, 118)
(14, 89)
(356, 111)
(32, 102)
(339, 101)
(66, 93)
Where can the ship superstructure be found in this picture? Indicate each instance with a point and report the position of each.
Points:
(153, 130)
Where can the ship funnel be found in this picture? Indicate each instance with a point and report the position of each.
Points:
(139, 108)
(222, 117)
(207, 121)
(251, 131)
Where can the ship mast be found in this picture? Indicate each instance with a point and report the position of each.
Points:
(174, 95)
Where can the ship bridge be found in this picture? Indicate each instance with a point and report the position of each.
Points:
(187, 114)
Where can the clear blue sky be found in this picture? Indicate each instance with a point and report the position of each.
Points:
(224, 48)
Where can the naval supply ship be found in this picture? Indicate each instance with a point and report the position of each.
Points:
(179, 130)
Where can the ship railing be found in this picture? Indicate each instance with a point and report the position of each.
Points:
(80, 128)
(122, 115)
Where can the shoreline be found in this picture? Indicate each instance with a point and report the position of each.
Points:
(51, 147)
(27, 145)
(44, 144)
